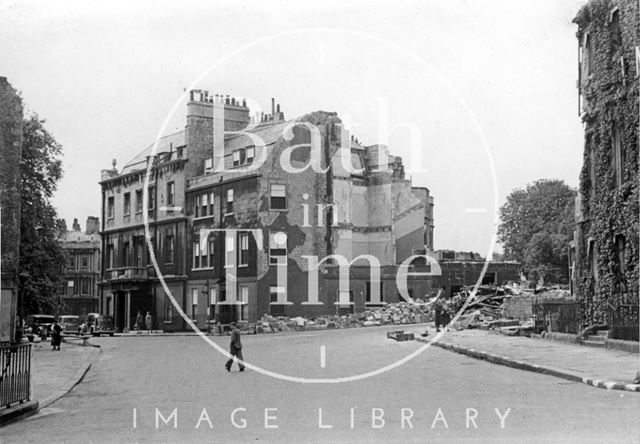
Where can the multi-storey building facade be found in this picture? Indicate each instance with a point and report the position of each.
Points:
(282, 214)
(262, 202)
(79, 291)
(605, 248)
(129, 282)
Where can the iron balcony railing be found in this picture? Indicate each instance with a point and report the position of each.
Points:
(123, 273)
(15, 381)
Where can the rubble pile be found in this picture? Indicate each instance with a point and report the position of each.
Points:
(487, 309)
(390, 314)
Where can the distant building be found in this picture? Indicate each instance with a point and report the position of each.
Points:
(604, 256)
(275, 220)
(79, 292)
(11, 153)
(461, 268)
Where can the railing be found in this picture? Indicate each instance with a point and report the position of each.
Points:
(623, 321)
(115, 274)
(556, 316)
(15, 380)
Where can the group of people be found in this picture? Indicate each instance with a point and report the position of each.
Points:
(147, 321)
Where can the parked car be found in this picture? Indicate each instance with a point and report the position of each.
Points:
(96, 324)
(39, 324)
(70, 324)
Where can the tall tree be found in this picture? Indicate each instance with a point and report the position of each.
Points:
(536, 227)
(42, 259)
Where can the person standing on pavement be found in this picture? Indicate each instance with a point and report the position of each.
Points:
(56, 336)
(139, 321)
(437, 309)
(235, 349)
(148, 321)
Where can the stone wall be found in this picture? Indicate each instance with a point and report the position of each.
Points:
(608, 88)
(11, 153)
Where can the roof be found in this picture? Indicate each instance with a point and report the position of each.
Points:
(77, 236)
(268, 133)
(166, 144)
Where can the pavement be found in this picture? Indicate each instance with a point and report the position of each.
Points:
(598, 367)
(55, 373)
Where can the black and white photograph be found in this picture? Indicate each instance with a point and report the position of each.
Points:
(292, 221)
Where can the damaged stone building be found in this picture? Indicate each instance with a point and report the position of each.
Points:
(264, 213)
(604, 257)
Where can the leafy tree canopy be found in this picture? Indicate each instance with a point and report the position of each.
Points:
(536, 227)
(42, 259)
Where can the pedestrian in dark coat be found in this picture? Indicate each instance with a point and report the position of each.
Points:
(139, 322)
(437, 309)
(56, 336)
(148, 322)
(235, 349)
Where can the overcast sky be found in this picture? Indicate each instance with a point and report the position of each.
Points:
(105, 76)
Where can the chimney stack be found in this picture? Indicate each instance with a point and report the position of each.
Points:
(93, 225)
(273, 106)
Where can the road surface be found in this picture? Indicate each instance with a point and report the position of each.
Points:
(175, 389)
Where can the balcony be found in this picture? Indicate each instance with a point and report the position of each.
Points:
(126, 273)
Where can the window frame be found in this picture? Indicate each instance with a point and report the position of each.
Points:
(171, 193)
(139, 201)
(243, 253)
(195, 265)
(170, 251)
(229, 201)
(126, 206)
(111, 207)
(277, 258)
(151, 193)
(281, 206)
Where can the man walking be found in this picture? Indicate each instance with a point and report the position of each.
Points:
(235, 349)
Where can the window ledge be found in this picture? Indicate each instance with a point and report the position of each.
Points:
(202, 268)
(279, 209)
(312, 303)
(204, 217)
(243, 265)
(228, 214)
(344, 303)
(281, 303)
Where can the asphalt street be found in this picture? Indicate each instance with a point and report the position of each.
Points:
(175, 389)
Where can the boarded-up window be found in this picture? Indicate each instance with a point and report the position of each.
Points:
(277, 248)
(278, 197)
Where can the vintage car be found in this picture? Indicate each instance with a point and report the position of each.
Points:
(70, 324)
(38, 325)
(96, 324)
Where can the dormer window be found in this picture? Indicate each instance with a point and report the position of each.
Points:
(250, 154)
